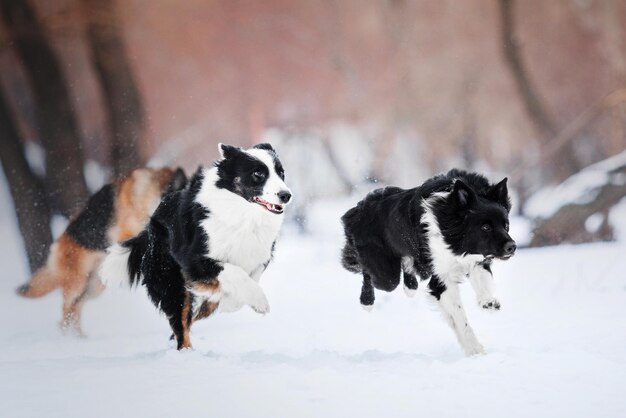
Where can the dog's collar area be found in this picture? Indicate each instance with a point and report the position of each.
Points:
(272, 207)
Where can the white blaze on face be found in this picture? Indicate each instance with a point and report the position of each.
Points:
(274, 184)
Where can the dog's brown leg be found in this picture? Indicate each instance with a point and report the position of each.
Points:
(75, 265)
(181, 324)
(206, 309)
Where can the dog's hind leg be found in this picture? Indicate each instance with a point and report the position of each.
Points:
(76, 268)
(180, 322)
(382, 266)
(410, 284)
(408, 273)
(481, 279)
(367, 293)
(446, 292)
(75, 293)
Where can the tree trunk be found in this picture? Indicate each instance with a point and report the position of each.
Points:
(58, 132)
(29, 197)
(534, 107)
(545, 126)
(122, 99)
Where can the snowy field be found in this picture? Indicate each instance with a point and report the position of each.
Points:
(557, 348)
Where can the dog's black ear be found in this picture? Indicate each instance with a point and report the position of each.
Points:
(266, 146)
(500, 193)
(178, 180)
(228, 151)
(463, 195)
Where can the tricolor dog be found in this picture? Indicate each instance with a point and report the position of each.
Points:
(116, 212)
(206, 246)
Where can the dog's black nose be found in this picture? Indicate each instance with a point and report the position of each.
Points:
(510, 247)
(284, 196)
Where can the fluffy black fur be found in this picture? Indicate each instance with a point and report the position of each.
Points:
(387, 225)
(90, 227)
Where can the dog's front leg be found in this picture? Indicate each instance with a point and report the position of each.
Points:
(232, 289)
(481, 279)
(446, 292)
(239, 289)
(256, 274)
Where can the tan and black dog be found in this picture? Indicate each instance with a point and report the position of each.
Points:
(115, 213)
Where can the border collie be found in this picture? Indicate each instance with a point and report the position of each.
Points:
(450, 227)
(116, 212)
(207, 245)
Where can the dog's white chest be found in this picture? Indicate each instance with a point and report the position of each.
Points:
(247, 244)
(241, 233)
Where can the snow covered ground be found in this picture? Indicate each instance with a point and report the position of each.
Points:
(557, 348)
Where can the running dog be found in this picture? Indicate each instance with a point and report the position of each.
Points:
(450, 227)
(208, 244)
(116, 212)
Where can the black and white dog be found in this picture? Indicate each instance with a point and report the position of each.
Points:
(450, 227)
(208, 244)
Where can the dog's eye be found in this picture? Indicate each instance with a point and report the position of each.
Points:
(259, 175)
(486, 228)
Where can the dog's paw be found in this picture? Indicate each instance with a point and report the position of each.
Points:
(368, 308)
(473, 348)
(491, 304)
(259, 303)
(476, 350)
(409, 292)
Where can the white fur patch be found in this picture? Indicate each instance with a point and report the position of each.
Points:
(454, 314)
(240, 232)
(367, 308)
(114, 268)
(445, 262)
(238, 289)
(408, 264)
(451, 269)
(409, 292)
(483, 285)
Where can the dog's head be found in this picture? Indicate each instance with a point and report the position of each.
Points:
(485, 220)
(255, 174)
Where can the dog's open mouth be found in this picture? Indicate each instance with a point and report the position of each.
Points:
(505, 257)
(272, 207)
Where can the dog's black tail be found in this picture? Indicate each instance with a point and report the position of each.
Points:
(137, 247)
(349, 253)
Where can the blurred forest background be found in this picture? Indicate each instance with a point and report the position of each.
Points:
(352, 93)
